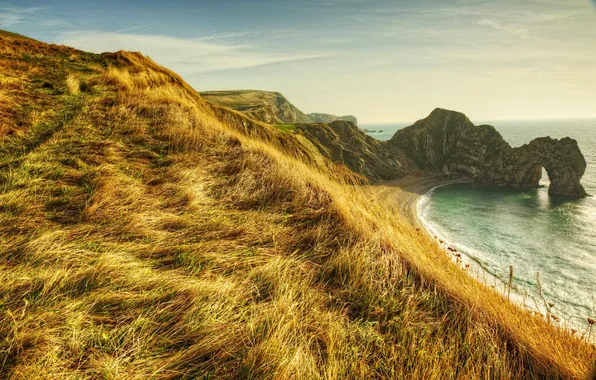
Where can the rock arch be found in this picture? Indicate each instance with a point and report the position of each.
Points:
(562, 160)
(448, 142)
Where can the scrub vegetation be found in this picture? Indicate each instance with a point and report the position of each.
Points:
(145, 233)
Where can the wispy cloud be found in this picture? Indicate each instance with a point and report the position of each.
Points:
(420, 53)
(515, 30)
(10, 16)
(185, 55)
(227, 36)
(131, 29)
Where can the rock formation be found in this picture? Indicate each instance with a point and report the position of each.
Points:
(342, 141)
(447, 142)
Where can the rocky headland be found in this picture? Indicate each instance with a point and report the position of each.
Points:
(327, 118)
(448, 143)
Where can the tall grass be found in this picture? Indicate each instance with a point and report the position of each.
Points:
(153, 235)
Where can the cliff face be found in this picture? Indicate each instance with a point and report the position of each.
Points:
(326, 118)
(447, 142)
(268, 107)
(343, 142)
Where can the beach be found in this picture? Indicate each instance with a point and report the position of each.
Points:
(406, 192)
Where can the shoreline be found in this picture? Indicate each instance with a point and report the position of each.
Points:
(407, 194)
(408, 191)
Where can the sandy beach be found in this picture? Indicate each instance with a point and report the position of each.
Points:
(407, 191)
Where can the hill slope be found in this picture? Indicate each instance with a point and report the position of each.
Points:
(145, 233)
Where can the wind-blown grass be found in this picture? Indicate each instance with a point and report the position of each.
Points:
(149, 234)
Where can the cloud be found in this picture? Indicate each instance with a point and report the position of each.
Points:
(185, 55)
(227, 36)
(498, 26)
(10, 16)
(131, 29)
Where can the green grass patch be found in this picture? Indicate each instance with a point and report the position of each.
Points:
(286, 127)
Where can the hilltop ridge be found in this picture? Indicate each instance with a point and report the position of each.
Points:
(269, 107)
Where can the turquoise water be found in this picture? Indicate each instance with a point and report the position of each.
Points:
(497, 227)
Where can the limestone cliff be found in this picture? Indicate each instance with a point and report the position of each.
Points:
(265, 106)
(447, 142)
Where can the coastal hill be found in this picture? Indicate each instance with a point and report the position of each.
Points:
(269, 107)
(446, 142)
(345, 143)
(147, 233)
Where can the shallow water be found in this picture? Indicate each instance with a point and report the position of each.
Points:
(497, 227)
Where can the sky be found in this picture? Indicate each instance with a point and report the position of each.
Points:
(380, 60)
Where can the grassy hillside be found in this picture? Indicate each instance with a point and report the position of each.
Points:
(145, 233)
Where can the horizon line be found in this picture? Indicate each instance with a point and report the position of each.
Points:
(487, 120)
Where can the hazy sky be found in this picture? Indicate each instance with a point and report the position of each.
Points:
(382, 61)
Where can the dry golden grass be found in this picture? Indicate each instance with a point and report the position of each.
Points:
(147, 234)
(73, 84)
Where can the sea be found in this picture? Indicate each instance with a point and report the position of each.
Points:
(548, 243)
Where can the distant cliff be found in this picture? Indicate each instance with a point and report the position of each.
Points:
(326, 118)
(269, 107)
